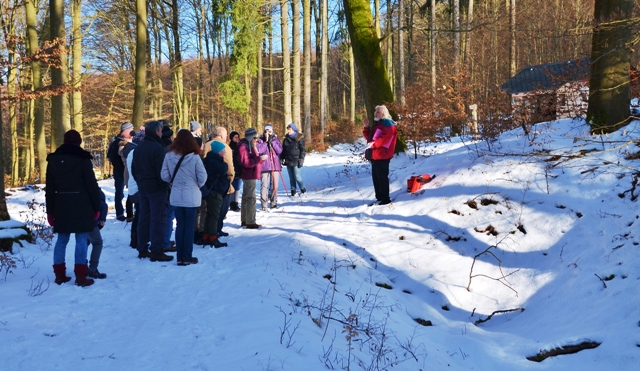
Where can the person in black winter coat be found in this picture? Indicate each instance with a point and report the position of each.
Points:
(234, 139)
(292, 156)
(73, 204)
(153, 192)
(218, 185)
(126, 132)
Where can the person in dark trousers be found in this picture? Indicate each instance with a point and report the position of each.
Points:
(126, 130)
(167, 139)
(95, 239)
(220, 135)
(234, 139)
(153, 191)
(250, 162)
(292, 156)
(127, 155)
(217, 185)
(182, 167)
(73, 204)
(381, 139)
(269, 145)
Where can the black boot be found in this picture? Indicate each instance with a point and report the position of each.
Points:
(215, 242)
(233, 206)
(134, 240)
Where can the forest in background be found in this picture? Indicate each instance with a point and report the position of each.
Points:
(226, 63)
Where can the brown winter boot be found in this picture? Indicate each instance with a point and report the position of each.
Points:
(81, 275)
(60, 271)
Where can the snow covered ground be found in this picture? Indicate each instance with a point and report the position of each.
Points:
(331, 283)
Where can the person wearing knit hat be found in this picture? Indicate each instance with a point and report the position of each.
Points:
(216, 189)
(220, 136)
(250, 134)
(196, 130)
(293, 152)
(234, 139)
(195, 127)
(270, 145)
(217, 146)
(72, 199)
(251, 162)
(126, 126)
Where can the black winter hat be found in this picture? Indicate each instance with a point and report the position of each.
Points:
(72, 137)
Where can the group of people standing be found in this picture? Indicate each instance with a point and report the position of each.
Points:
(183, 178)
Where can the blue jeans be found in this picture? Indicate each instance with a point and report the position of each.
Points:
(223, 212)
(118, 181)
(235, 196)
(95, 239)
(295, 177)
(60, 249)
(185, 221)
(171, 214)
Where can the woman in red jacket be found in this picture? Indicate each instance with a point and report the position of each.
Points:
(381, 138)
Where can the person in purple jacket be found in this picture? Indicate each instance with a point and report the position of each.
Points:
(251, 162)
(269, 145)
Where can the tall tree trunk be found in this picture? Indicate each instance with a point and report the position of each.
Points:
(272, 101)
(60, 122)
(456, 37)
(36, 75)
(259, 89)
(286, 64)
(76, 96)
(467, 44)
(368, 56)
(513, 66)
(140, 83)
(401, 66)
(324, 69)
(307, 69)
(181, 104)
(389, 37)
(609, 81)
(352, 85)
(434, 35)
(296, 91)
(376, 11)
(5, 244)
(8, 27)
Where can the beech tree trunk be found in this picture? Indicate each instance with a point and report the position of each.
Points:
(140, 82)
(36, 75)
(286, 64)
(307, 69)
(76, 96)
(368, 56)
(609, 81)
(296, 89)
(60, 121)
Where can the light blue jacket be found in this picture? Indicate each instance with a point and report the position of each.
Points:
(191, 175)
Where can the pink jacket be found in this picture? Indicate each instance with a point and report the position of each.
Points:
(250, 161)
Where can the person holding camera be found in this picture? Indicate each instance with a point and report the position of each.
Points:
(269, 145)
(251, 162)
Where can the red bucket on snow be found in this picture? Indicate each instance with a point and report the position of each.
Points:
(416, 182)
